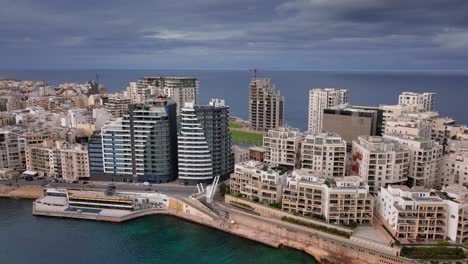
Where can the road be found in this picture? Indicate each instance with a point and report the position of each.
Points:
(166, 188)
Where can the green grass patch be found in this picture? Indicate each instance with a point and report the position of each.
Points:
(247, 138)
(428, 253)
(233, 125)
(322, 228)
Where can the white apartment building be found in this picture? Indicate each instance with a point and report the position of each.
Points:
(283, 147)
(454, 164)
(412, 213)
(341, 200)
(425, 157)
(380, 161)
(12, 150)
(390, 112)
(457, 229)
(412, 125)
(74, 161)
(417, 102)
(320, 99)
(324, 153)
(257, 181)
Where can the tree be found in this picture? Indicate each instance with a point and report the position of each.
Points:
(223, 189)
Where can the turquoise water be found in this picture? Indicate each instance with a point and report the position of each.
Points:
(25, 238)
(84, 210)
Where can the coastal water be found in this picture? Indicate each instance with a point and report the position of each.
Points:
(365, 88)
(26, 239)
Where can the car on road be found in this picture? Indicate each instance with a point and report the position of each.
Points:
(147, 184)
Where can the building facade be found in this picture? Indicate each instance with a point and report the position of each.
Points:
(412, 213)
(258, 182)
(342, 200)
(351, 122)
(324, 153)
(412, 125)
(142, 146)
(283, 147)
(44, 159)
(96, 162)
(417, 102)
(320, 99)
(380, 161)
(266, 105)
(454, 164)
(12, 150)
(204, 143)
(74, 161)
(425, 156)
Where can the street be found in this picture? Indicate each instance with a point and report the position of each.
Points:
(166, 188)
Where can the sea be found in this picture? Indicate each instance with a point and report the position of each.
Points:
(28, 239)
(365, 88)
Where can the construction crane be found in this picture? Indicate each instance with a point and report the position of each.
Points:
(254, 70)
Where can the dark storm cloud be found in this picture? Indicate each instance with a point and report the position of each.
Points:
(331, 34)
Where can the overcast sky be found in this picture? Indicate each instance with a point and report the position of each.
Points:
(235, 34)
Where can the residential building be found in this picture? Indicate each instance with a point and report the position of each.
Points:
(7, 119)
(142, 145)
(96, 162)
(351, 122)
(412, 214)
(117, 105)
(324, 153)
(342, 200)
(180, 89)
(283, 147)
(417, 102)
(204, 143)
(380, 161)
(143, 89)
(412, 125)
(320, 99)
(457, 200)
(257, 153)
(425, 156)
(390, 112)
(9, 174)
(266, 105)
(445, 129)
(258, 182)
(240, 154)
(12, 150)
(74, 161)
(454, 164)
(44, 159)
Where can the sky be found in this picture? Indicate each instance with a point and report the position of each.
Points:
(234, 34)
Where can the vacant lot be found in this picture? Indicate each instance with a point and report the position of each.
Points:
(232, 125)
(247, 138)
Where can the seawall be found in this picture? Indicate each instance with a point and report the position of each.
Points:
(21, 192)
